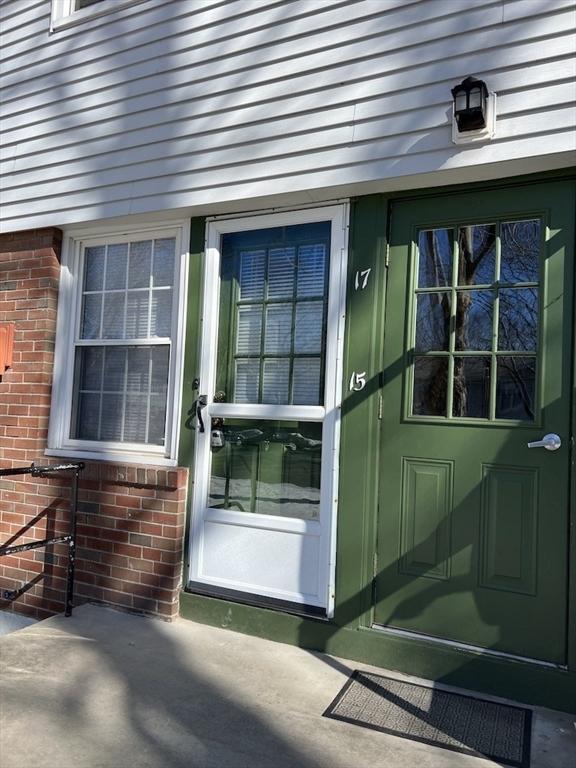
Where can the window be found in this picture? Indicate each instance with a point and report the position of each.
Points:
(120, 353)
(67, 12)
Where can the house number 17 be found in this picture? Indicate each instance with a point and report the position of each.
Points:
(361, 279)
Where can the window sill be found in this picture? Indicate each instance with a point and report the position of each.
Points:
(115, 457)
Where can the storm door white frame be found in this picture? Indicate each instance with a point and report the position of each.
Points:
(320, 533)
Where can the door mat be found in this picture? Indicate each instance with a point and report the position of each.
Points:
(441, 718)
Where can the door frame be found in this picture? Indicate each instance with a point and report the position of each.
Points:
(329, 414)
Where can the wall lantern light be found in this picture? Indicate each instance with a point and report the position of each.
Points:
(474, 111)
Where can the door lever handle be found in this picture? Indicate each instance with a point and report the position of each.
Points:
(551, 442)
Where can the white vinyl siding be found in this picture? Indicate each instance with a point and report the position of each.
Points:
(196, 104)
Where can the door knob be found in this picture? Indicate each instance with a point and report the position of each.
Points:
(551, 442)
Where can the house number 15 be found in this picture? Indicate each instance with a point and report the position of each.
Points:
(357, 381)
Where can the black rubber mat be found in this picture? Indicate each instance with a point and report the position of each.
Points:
(449, 720)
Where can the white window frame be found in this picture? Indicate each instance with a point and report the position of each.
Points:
(64, 12)
(67, 333)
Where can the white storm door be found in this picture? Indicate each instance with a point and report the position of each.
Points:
(266, 469)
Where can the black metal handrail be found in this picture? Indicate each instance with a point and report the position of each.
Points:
(69, 538)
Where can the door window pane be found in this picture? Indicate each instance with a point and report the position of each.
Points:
(433, 321)
(281, 269)
(430, 386)
(268, 468)
(474, 320)
(518, 319)
(274, 283)
(435, 248)
(515, 388)
(471, 387)
(252, 274)
(278, 329)
(312, 262)
(247, 381)
(275, 380)
(477, 254)
(309, 329)
(306, 382)
(520, 257)
(249, 330)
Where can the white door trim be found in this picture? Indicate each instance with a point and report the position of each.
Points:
(323, 530)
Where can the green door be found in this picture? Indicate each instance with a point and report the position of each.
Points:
(473, 524)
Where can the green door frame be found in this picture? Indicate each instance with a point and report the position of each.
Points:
(349, 634)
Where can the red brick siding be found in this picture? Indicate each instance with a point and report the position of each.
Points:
(130, 518)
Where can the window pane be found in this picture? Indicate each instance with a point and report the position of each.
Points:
(474, 330)
(249, 330)
(278, 339)
(138, 371)
(430, 381)
(140, 264)
(163, 269)
(471, 395)
(137, 312)
(247, 381)
(515, 388)
(161, 313)
(281, 265)
(88, 417)
(518, 319)
(91, 365)
(309, 328)
(115, 369)
(252, 272)
(435, 247)
(432, 321)
(160, 358)
(91, 316)
(112, 417)
(306, 383)
(268, 468)
(131, 383)
(311, 270)
(135, 419)
(94, 268)
(157, 423)
(520, 258)
(275, 381)
(477, 255)
(113, 316)
(116, 266)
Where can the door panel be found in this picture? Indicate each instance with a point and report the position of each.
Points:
(473, 525)
(265, 477)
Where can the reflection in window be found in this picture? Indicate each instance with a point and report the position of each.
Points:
(273, 309)
(520, 258)
(268, 468)
(515, 388)
(491, 308)
(471, 395)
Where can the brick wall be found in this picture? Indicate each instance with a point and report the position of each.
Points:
(130, 518)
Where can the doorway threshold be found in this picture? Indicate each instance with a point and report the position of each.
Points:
(257, 601)
(467, 647)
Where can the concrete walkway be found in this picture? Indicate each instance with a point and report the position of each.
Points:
(105, 689)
